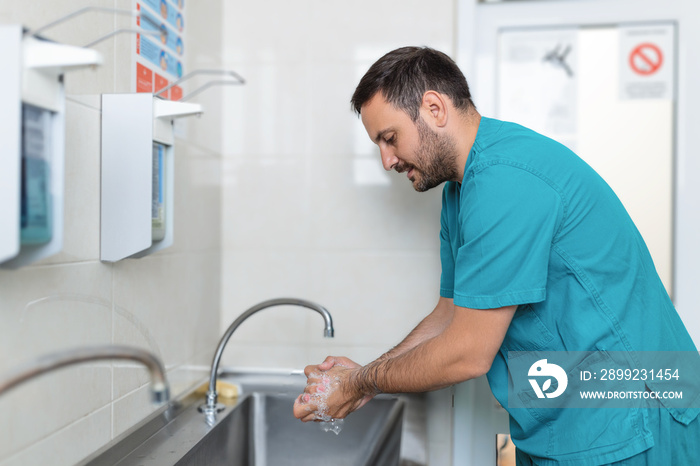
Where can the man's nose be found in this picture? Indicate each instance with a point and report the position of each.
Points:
(389, 160)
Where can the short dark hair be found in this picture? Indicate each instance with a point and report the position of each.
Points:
(405, 74)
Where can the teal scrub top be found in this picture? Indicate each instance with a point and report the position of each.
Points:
(532, 225)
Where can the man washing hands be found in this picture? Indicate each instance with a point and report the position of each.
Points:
(446, 348)
(537, 254)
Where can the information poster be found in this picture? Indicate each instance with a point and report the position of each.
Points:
(538, 80)
(159, 57)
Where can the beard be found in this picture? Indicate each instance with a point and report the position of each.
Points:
(436, 159)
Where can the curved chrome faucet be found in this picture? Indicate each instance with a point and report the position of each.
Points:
(159, 385)
(211, 407)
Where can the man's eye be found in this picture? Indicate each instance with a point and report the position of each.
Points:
(391, 139)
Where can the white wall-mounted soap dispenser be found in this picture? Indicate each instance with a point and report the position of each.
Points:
(138, 173)
(32, 131)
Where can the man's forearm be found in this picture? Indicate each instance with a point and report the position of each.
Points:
(431, 365)
(465, 349)
(431, 326)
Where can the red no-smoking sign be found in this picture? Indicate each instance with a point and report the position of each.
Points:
(646, 59)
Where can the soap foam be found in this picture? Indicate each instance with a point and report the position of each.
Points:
(320, 398)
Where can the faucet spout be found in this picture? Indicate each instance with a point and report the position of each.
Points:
(160, 391)
(211, 406)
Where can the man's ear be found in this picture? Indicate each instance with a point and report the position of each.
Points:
(434, 108)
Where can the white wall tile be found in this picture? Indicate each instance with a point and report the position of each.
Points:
(205, 32)
(276, 325)
(205, 130)
(167, 294)
(271, 31)
(93, 101)
(368, 29)
(45, 309)
(69, 445)
(197, 216)
(131, 409)
(376, 298)
(51, 402)
(268, 204)
(268, 116)
(337, 130)
(192, 373)
(169, 305)
(264, 356)
(347, 215)
(285, 274)
(279, 274)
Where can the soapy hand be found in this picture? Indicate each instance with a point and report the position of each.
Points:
(329, 393)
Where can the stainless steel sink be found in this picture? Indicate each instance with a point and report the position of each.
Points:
(260, 430)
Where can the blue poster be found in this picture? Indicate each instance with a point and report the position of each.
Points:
(155, 54)
(168, 37)
(168, 13)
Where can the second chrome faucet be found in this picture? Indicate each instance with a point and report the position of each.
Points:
(160, 392)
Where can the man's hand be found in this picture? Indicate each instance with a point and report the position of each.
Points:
(329, 392)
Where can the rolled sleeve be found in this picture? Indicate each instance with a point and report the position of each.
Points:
(509, 218)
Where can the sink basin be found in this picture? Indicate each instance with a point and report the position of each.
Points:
(262, 431)
(259, 429)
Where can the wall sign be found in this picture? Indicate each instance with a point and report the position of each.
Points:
(647, 61)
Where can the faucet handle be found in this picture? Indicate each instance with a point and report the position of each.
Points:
(211, 406)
